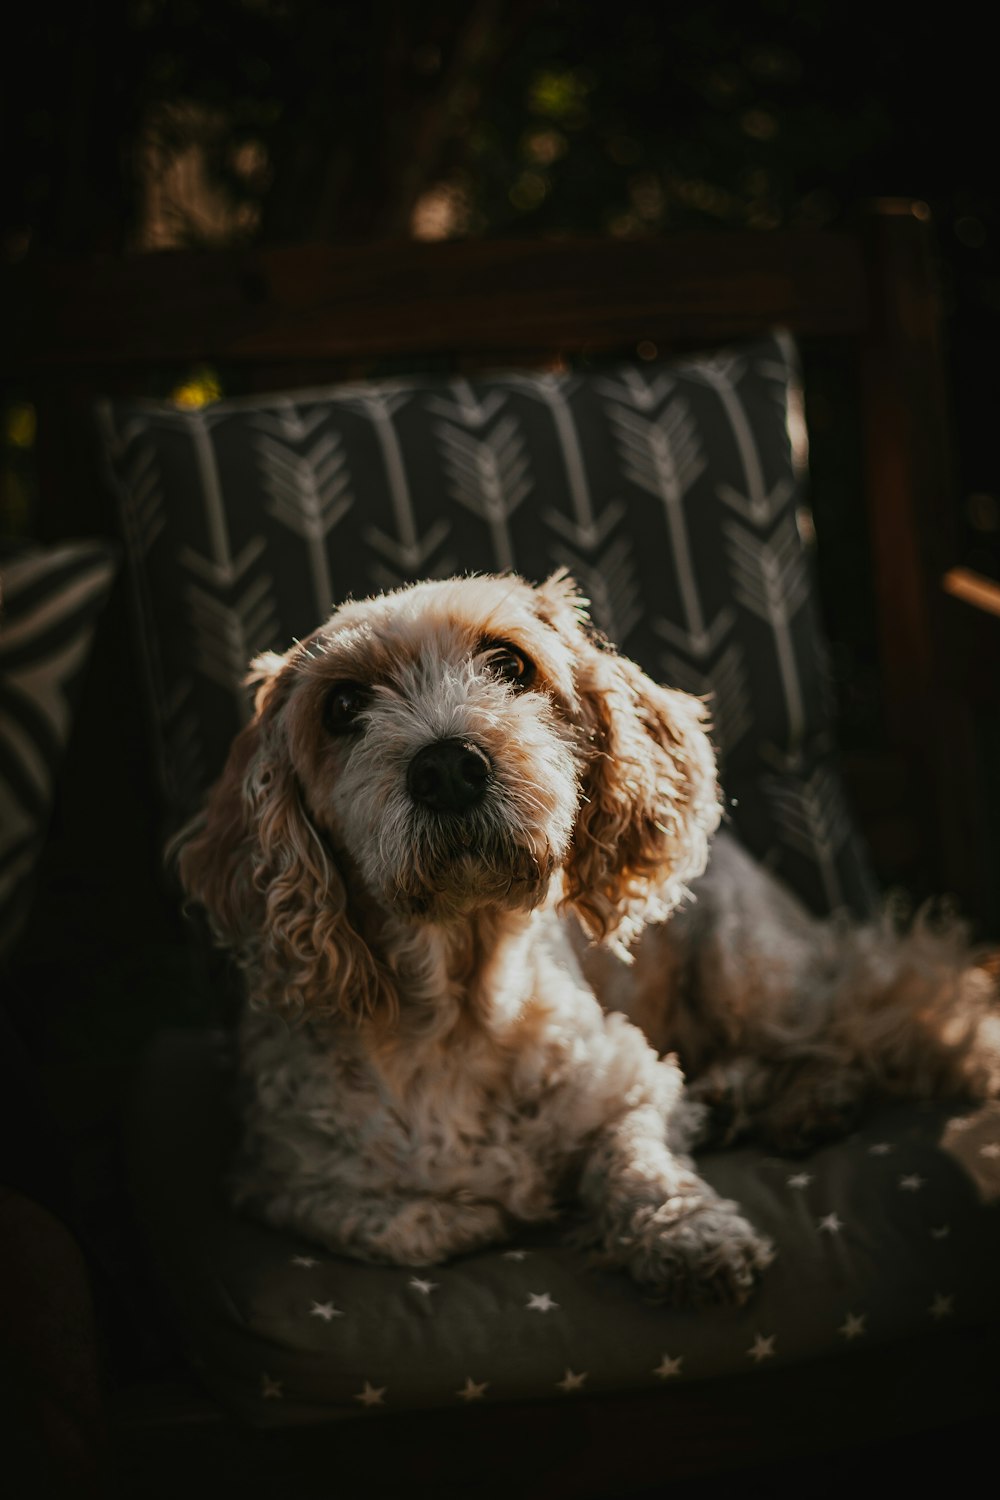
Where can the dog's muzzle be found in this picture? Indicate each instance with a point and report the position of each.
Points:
(449, 776)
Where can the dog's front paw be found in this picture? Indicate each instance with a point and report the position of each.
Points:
(698, 1251)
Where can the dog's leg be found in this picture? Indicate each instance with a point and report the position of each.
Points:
(402, 1229)
(882, 1015)
(794, 1105)
(655, 1216)
(791, 1027)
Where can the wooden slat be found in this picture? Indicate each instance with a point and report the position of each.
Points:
(323, 302)
(911, 507)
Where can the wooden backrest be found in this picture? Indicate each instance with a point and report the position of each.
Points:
(280, 318)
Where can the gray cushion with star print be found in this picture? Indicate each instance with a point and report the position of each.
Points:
(894, 1232)
(670, 491)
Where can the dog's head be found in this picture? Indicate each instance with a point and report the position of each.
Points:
(436, 751)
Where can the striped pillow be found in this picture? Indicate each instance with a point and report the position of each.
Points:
(50, 599)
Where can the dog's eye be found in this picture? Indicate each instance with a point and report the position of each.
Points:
(344, 702)
(509, 665)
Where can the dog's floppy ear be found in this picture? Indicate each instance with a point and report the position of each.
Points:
(650, 797)
(267, 880)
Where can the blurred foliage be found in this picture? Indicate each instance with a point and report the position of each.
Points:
(203, 122)
(542, 116)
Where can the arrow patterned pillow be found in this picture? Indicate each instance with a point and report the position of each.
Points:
(49, 603)
(670, 491)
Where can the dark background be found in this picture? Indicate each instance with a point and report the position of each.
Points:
(147, 123)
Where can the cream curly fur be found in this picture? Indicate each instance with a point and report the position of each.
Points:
(426, 1058)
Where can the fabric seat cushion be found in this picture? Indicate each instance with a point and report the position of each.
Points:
(893, 1232)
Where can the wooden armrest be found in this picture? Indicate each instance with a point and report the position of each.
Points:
(970, 647)
(973, 588)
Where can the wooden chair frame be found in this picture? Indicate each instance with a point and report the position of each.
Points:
(289, 317)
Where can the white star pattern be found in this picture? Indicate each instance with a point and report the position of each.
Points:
(941, 1232)
(471, 1391)
(515, 1255)
(571, 1381)
(426, 1287)
(325, 1310)
(853, 1326)
(540, 1302)
(911, 1182)
(762, 1348)
(371, 1395)
(800, 1180)
(991, 1150)
(271, 1390)
(669, 1366)
(305, 1261)
(943, 1306)
(881, 1148)
(830, 1223)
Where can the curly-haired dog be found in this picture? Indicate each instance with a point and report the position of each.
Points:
(434, 785)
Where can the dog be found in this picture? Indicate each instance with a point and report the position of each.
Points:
(462, 854)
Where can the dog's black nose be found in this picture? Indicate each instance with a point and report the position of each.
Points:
(449, 776)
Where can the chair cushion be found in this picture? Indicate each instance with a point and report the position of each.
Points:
(893, 1232)
(50, 598)
(670, 491)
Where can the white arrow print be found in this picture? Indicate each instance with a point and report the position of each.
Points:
(758, 504)
(631, 387)
(489, 476)
(814, 820)
(310, 493)
(663, 457)
(220, 568)
(223, 574)
(609, 583)
(226, 637)
(698, 641)
(464, 407)
(290, 423)
(139, 483)
(583, 529)
(144, 493)
(727, 687)
(407, 551)
(771, 580)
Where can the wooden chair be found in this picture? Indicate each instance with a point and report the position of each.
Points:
(282, 318)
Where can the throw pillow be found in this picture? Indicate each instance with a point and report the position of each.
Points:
(670, 491)
(50, 599)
